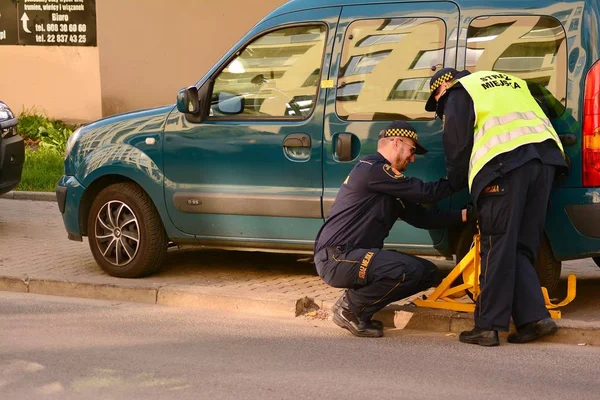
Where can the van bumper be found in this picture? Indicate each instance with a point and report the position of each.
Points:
(68, 195)
(573, 223)
(585, 218)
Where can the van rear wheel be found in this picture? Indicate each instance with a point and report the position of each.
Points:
(125, 232)
(547, 267)
(463, 246)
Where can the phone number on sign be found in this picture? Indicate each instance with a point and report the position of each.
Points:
(51, 38)
(65, 28)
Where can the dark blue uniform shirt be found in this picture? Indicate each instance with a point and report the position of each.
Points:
(459, 125)
(373, 197)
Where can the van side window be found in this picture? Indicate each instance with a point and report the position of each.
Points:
(534, 48)
(275, 76)
(386, 66)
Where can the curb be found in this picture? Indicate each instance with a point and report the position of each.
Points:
(36, 196)
(175, 295)
(209, 298)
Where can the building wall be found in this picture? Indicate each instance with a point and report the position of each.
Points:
(63, 82)
(149, 49)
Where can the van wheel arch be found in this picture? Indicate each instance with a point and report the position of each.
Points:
(90, 194)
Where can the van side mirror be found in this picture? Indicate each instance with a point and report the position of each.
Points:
(192, 102)
(230, 104)
(187, 100)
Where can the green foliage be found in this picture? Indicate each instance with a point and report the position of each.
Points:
(54, 137)
(36, 126)
(42, 170)
(30, 122)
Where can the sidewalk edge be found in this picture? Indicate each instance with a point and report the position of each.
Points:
(396, 317)
(35, 196)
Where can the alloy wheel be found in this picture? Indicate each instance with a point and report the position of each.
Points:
(117, 233)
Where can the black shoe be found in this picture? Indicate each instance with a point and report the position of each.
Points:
(482, 337)
(533, 331)
(376, 324)
(346, 319)
(339, 303)
(342, 302)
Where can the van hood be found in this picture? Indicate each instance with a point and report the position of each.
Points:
(117, 131)
(130, 118)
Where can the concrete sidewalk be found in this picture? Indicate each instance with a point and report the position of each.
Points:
(36, 257)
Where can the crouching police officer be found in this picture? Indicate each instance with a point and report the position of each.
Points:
(499, 142)
(348, 248)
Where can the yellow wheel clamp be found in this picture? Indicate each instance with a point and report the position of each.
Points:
(469, 268)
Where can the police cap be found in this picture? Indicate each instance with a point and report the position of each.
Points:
(443, 75)
(403, 129)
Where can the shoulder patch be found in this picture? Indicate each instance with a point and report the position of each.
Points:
(392, 172)
(347, 179)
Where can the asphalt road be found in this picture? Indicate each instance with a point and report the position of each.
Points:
(55, 348)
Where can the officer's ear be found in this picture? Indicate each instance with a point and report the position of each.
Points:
(440, 91)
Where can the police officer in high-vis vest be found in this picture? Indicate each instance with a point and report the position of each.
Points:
(500, 144)
(348, 248)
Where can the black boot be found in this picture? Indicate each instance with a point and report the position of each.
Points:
(533, 331)
(482, 337)
(343, 317)
(376, 324)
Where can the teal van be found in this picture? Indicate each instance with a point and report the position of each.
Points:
(252, 155)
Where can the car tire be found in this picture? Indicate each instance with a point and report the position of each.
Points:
(547, 267)
(596, 260)
(463, 246)
(125, 232)
(464, 242)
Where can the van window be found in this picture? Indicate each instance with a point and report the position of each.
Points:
(276, 76)
(534, 48)
(386, 66)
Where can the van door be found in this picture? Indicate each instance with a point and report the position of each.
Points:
(252, 171)
(384, 57)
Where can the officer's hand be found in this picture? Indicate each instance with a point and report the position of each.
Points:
(471, 214)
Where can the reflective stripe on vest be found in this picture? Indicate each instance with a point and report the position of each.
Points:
(507, 119)
(501, 125)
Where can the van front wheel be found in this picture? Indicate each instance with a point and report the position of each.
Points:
(125, 232)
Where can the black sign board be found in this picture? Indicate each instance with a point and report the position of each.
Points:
(48, 22)
(8, 22)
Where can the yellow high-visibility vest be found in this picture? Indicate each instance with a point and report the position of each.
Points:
(507, 116)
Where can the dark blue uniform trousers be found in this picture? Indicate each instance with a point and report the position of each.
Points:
(512, 211)
(374, 277)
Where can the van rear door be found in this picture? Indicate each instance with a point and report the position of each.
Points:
(384, 56)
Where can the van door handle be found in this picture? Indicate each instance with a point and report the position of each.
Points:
(568, 139)
(343, 147)
(297, 140)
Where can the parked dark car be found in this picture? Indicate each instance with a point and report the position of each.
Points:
(12, 150)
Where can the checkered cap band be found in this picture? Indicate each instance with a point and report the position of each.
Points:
(444, 78)
(400, 132)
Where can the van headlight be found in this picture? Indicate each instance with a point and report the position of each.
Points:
(71, 142)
